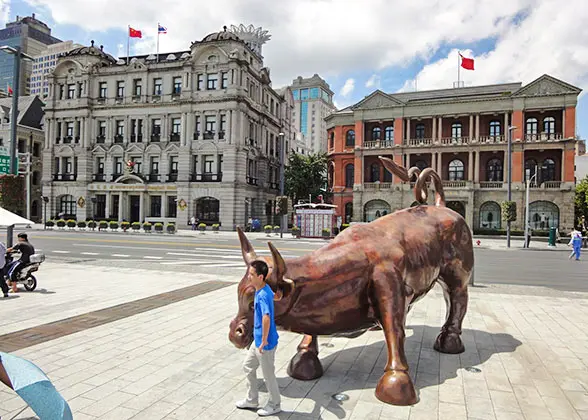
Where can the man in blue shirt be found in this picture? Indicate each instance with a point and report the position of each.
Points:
(263, 350)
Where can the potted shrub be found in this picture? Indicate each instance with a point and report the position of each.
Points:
(296, 231)
(125, 226)
(277, 230)
(50, 223)
(147, 227)
(102, 225)
(82, 225)
(268, 229)
(135, 226)
(61, 223)
(202, 227)
(344, 226)
(158, 227)
(71, 223)
(326, 233)
(171, 228)
(92, 224)
(113, 225)
(215, 227)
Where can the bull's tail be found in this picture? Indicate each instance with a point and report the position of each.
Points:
(421, 191)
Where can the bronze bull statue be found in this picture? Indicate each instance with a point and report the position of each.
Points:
(370, 275)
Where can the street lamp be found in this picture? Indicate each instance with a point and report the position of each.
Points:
(282, 178)
(527, 208)
(45, 201)
(18, 55)
(509, 168)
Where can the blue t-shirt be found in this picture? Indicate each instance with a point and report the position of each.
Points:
(264, 305)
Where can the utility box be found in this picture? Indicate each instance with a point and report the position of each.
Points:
(552, 236)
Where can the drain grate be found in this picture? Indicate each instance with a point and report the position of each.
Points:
(42, 333)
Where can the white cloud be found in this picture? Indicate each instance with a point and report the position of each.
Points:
(347, 87)
(373, 82)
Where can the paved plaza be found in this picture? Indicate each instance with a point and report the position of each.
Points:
(174, 361)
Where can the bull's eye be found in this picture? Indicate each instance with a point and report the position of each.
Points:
(251, 306)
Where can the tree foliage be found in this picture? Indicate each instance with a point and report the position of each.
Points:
(305, 175)
(12, 193)
(581, 200)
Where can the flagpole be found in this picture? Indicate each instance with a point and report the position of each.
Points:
(157, 42)
(128, 44)
(458, 70)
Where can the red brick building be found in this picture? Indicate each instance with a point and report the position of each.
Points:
(462, 134)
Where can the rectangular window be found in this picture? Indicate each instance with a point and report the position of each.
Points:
(220, 164)
(172, 207)
(71, 91)
(69, 129)
(225, 80)
(100, 166)
(155, 206)
(173, 165)
(211, 81)
(154, 166)
(177, 85)
(156, 127)
(157, 86)
(120, 128)
(137, 87)
(194, 165)
(210, 124)
(102, 128)
(80, 89)
(223, 123)
(197, 125)
(303, 94)
(120, 89)
(208, 164)
(36, 149)
(103, 90)
(200, 82)
(176, 125)
(118, 165)
(67, 165)
(314, 93)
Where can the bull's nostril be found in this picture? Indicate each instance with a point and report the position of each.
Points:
(239, 331)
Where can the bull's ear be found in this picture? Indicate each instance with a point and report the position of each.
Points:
(249, 254)
(394, 168)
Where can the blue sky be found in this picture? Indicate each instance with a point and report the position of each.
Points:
(511, 40)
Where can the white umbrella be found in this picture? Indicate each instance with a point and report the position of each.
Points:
(8, 218)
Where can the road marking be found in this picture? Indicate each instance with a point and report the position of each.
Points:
(185, 254)
(89, 253)
(196, 262)
(153, 258)
(239, 265)
(121, 255)
(61, 252)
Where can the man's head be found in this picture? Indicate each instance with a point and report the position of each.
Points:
(258, 273)
(22, 237)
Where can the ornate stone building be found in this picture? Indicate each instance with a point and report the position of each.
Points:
(462, 134)
(194, 133)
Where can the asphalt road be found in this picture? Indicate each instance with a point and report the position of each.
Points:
(222, 254)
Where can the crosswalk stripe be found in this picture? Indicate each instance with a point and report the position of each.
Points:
(121, 255)
(152, 258)
(61, 252)
(89, 253)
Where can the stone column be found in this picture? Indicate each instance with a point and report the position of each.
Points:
(217, 125)
(235, 133)
(434, 134)
(407, 130)
(142, 207)
(477, 167)
(471, 129)
(48, 133)
(120, 206)
(440, 164)
(229, 126)
(434, 161)
(563, 126)
(505, 128)
(440, 128)
(477, 127)
(471, 166)
(87, 132)
(183, 130)
(107, 209)
(189, 128)
(163, 204)
(407, 160)
(563, 164)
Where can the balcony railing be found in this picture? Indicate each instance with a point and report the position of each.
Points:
(100, 139)
(491, 139)
(116, 176)
(543, 137)
(99, 177)
(552, 185)
(118, 138)
(136, 138)
(174, 137)
(196, 135)
(449, 141)
(64, 177)
(67, 139)
(155, 138)
(455, 184)
(173, 177)
(251, 180)
(420, 142)
(379, 144)
(207, 177)
(376, 186)
(274, 185)
(487, 185)
(153, 177)
(209, 135)
(221, 135)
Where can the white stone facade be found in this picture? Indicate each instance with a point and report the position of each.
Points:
(202, 128)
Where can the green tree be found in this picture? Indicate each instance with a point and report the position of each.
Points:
(305, 175)
(581, 200)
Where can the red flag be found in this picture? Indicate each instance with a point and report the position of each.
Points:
(10, 92)
(133, 33)
(467, 63)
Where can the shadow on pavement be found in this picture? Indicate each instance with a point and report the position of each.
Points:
(340, 376)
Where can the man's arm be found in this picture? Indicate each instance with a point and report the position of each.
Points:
(265, 323)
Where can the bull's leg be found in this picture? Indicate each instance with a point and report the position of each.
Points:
(455, 290)
(395, 386)
(305, 365)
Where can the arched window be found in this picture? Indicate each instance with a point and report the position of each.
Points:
(549, 125)
(331, 176)
(421, 164)
(530, 169)
(543, 215)
(348, 212)
(387, 175)
(376, 133)
(494, 128)
(67, 207)
(350, 139)
(531, 126)
(349, 175)
(490, 215)
(456, 170)
(375, 172)
(419, 131)
(548, 170)
(375, 209)
(207, 209)
(332, 140)
(389, 133)
(494, 170)
(456, 130)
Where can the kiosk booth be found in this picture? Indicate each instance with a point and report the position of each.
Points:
(312, 218)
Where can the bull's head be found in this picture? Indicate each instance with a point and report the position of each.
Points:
(241, 327)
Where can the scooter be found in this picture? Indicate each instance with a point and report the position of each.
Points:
(24, 275)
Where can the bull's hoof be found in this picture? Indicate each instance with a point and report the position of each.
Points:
(306, 366)
(450, 343)
(395, 387)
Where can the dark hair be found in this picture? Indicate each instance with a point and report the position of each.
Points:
(24, 236)
(260, 268)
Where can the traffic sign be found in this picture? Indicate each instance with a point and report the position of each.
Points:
(5, 165)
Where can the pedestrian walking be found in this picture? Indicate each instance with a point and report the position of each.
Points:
(529, 233)
(262, 352)
(3, 284)
(576, 243)
(193, 222)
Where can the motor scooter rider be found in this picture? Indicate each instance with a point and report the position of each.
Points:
(26, 250)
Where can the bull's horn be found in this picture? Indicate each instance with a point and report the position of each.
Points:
(249, 254)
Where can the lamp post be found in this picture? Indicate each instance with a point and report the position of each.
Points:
(18, 55)
(282, 179)
(527, 208)
(509, 168)
(45, 201)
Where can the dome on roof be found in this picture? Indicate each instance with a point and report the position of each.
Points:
(91, 50)
(223, 35)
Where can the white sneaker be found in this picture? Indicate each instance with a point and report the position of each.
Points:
(268, 411)
(243, 404)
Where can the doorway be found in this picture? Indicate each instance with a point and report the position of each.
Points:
(458, 207)
(135, 208)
